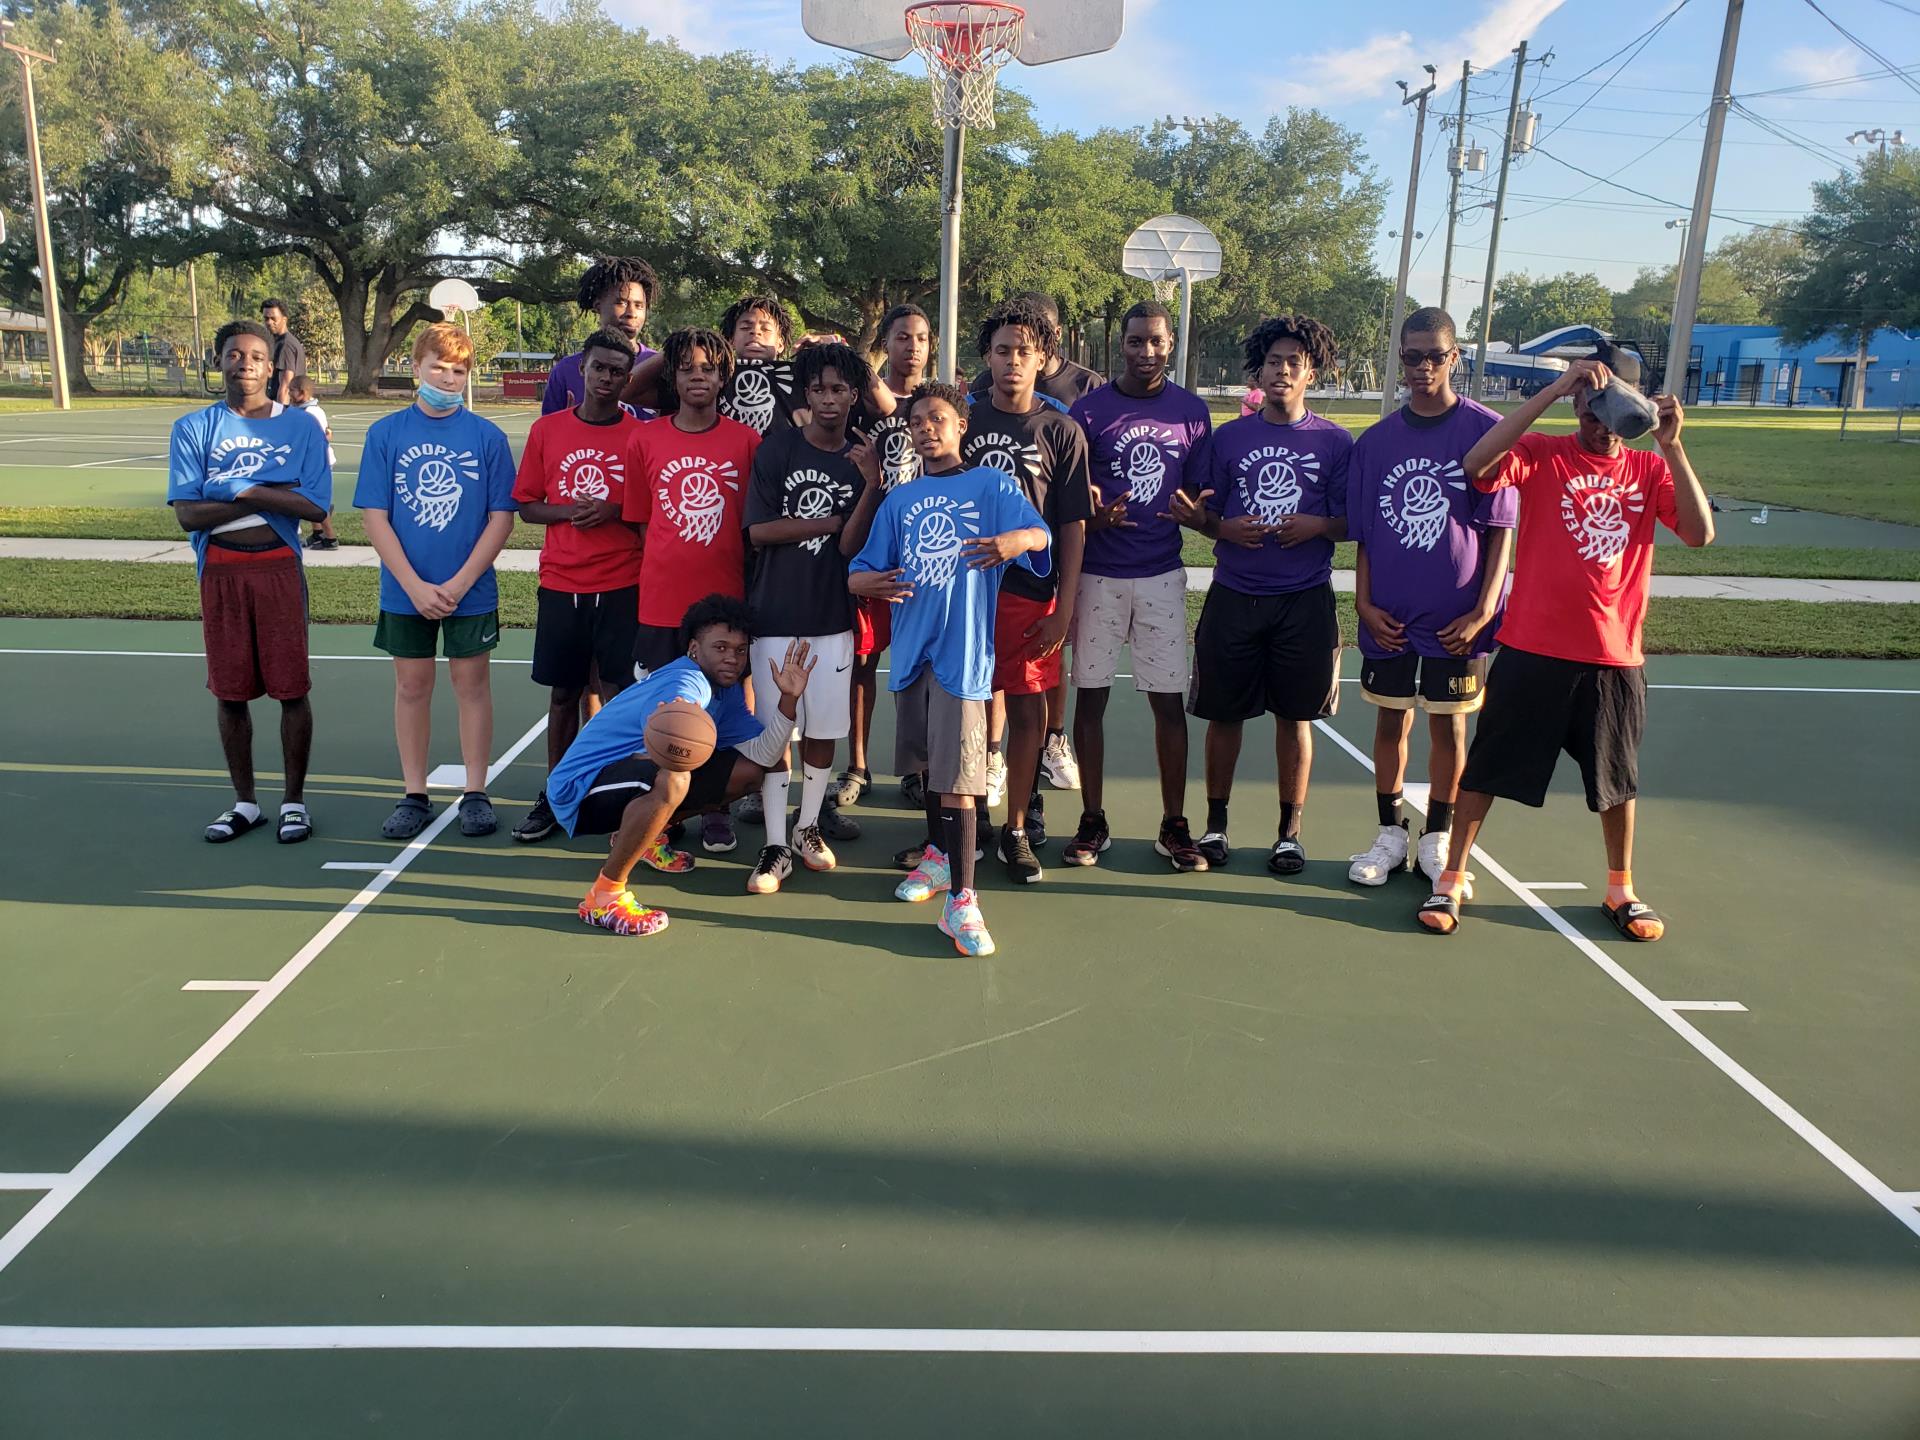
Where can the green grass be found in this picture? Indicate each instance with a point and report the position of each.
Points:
(68, 589)
(79, 522)
(19, 403)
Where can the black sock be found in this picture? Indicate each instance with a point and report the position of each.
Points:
(470, 795)
(1290, 820)
(1440, 815)
(1053, 730)
(962, 831)
(1216, 816)
(419, 795)
(861, 771)
(1392, 807)
(936, 830)
(994, 746)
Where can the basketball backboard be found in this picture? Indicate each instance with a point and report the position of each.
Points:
(1054, 29)
(453, 296)
(1168, 246)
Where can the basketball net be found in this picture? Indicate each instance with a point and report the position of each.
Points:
(965, 43)
(1166, 291)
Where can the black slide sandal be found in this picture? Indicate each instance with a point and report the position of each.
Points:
(231, 825)
(1623, 917)
(1441, 903)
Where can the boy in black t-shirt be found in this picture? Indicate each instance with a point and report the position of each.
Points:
(809, 507)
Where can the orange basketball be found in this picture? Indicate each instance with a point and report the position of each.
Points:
(680, 736)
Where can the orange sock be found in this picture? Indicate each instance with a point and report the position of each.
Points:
(603, 886)
(1451, 882)
(1620, 892)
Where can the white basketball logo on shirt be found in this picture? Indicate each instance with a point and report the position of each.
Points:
(436, 496)
(1423, 512)
(1146, 472)
(1273, 481)
(1010, 457)
(1599, 514)
(244, 457)
(936, 529)
(750, 399)
(589, 482)
(813, 495)
(1413, 499)
(899, 461)
(689, 494)
(431, 481)
(701, 504)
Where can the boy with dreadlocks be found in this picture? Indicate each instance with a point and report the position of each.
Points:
(1268, 640)
(686, 488)
(620, 290)
(760, 392)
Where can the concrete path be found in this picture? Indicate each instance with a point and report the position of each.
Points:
(1699, 587)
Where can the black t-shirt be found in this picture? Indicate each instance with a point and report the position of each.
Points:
(289, 360)
(800, 589)
(760, 394)
(899, 461)
(1046, 452)
(1066, 385)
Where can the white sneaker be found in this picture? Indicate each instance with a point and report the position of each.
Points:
(1387, 855)
(1433, 858)
(770, 871)
(813, 850)
(1063, 771)
(996, 779)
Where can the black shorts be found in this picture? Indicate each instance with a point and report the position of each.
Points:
(1265, 653)
(575, 633)
(656, 645)
(1538, 706)
(624, 781)
(1438, 684)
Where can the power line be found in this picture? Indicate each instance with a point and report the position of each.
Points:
(1811, 147)
(1831, 84)
(1608, 178)
(1637, 44)
(1866, 49)
(1665, 204)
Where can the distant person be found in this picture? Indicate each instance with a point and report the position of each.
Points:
(436, 496)
(241, 476)
(1570, 675)
(289, 355)
(619, 291)
(305, 399)
(1061, 381)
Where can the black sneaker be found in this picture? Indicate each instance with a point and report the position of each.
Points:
(327, 542)
(1214, 849)
(539, 824)
(1016, 852)
(913, 791)
(1037, 820)
(1176, 843)
(836, 826)
(910, 857)
(1289, 856)
(1089, 841)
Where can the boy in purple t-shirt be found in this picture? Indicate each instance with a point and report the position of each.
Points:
(1146, 441)
(1268, 639)
(619, 289)
(1433, 555)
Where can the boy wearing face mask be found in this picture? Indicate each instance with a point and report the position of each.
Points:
(436, 496)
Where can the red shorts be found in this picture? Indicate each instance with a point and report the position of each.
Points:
(1014, 669)
(253, 615)
(872, 626)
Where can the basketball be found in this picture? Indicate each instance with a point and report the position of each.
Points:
(680, 736)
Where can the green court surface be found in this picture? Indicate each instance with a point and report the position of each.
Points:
(1203, 1155)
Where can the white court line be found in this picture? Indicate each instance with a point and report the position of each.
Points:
(1730, 1007)
(1911, 1197)
(1553, 884)
(122, 1135)
(374, 866)
(737, 1339)
(447, 777)
(1754, 689)
(1823, 1144)
(29, 1180)
(224, 985)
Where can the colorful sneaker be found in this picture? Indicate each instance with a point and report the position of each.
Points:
(770, 871)
(1062, 770)
(1016, 853)
(663, 857)
(961, 922)
(1089, 841)
(812, 848)
(850, 788)
(929, 878)
(1176, 843)
(539, 824)
(1434, 845)
(621, 913)
(996, 778)
(1387, 856)
(716, 833)
(1214, 849)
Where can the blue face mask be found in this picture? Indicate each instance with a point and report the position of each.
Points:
(436, 399)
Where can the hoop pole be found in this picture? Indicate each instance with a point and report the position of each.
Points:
(1186, 329)
(951, 186)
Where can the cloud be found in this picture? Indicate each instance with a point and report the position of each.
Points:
(708, 29)
(1810, 65)
(1356, 72)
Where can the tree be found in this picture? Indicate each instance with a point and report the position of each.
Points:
(1524, 307)
(1861, 270)
(1724, 298)
(119, 136)
(1768, 258)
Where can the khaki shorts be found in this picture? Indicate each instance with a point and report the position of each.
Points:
(1150, 614)
(941, 734)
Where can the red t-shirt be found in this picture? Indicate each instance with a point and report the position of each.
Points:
(566, 459)
(690, 493)
(1583, 559)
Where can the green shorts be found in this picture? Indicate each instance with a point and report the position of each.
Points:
(412, 637)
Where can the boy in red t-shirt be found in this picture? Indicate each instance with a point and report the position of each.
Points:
(573, 480)
(690, 470)
(1570, 674)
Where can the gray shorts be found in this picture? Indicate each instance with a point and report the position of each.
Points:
(941, 734)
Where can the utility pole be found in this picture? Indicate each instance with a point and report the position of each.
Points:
(1457, 165)
(1694, 254)
(1387, 370)
(199, 346)
(1493, 239)
(42, 233)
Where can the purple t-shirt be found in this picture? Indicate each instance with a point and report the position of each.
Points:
(1268, 470)
(566, 387)
(1143, 449)
(1411, 505)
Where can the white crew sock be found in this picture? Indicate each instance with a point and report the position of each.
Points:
(247, 809)
(814, 780)
(773, 799)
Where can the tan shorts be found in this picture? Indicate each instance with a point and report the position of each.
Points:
(1150, 614)
(941, 734)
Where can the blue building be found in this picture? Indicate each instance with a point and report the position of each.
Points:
(1752, 365)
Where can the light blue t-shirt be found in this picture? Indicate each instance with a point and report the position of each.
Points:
(619, 730)
(440, 481)
(948, 620)
(217, 454)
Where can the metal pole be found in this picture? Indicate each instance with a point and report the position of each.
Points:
(467, 325)
(1693, 256)
(199, 347)
(950, 204)
(1453, 194)
(1387, 387)
(1682, 226)
(1493, 240)
(1186, 326)
(43, 233)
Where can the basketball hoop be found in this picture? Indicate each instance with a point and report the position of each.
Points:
(965, 43)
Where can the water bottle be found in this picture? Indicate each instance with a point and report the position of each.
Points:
(1761, 518)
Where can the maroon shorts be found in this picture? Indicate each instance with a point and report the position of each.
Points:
(872, 626)
(253, 613)
(1015, 668)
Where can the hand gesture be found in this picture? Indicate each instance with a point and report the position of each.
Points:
(864, 457)
(1047, 634)
(1185, 509)
(987, 551)
(880, 585)
(1388, 633)
(588, 513)
(790, 676)
(434, 602)
(1293, 529)
(1246, 531)
(1667, 425)
(1582, 372)
(1458, 635)
(1109, 516)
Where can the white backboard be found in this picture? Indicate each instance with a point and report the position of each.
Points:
(1054, 30)
(453, 295)
(1167, 245)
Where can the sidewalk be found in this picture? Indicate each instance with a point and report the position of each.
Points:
(1691, 587)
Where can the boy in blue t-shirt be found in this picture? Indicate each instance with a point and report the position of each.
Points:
(937, 552)
(436, 496)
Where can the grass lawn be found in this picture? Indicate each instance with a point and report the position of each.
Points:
(108, 589)
(24, 404)
(81, 522)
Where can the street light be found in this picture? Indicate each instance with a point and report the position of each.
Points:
(42, 232)
(1680, 225)
(1877, 137)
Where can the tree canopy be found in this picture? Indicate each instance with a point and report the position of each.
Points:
(1860, 270)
